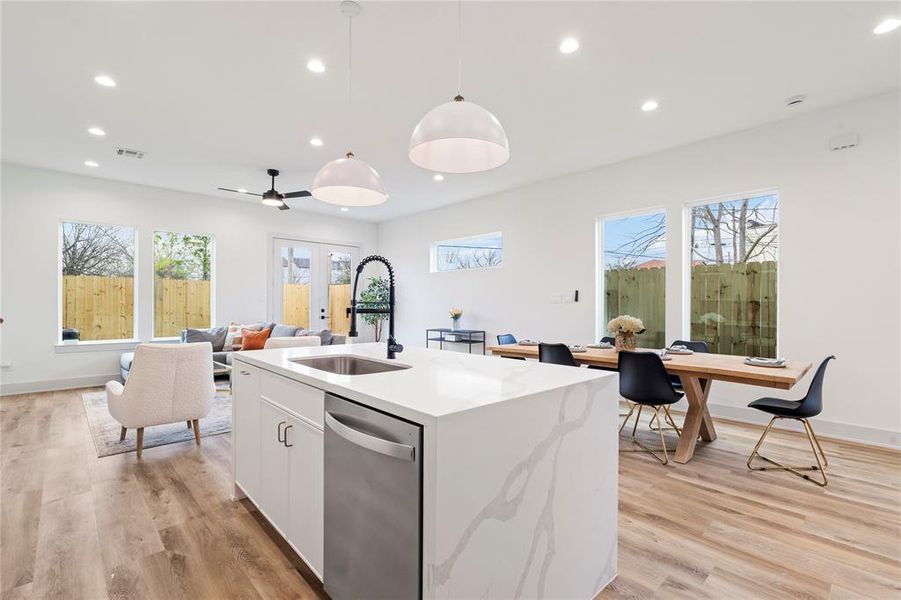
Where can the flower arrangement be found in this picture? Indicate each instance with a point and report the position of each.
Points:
(625, 327)
(625, 324)
(455, 314)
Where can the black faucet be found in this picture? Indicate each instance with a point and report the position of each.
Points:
(393, 346)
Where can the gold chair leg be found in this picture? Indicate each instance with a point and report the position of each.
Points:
(814, 446)
(668, 418)
(627, 415)
(637, 419)
(813, 436)
(665, 459)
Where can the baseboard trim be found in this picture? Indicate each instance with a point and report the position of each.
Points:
(50, 385)
(868, 436)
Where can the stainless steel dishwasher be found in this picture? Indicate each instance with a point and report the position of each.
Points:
(373, 503)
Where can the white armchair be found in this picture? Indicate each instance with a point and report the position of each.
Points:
(167, 383)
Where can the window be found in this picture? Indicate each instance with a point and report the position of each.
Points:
(734, 254)
(475, 252)
(634, 281)
(97, 287)
(182, 273)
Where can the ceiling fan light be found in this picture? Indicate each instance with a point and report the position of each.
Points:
(459, 137)
(272, 198)
(348, 182)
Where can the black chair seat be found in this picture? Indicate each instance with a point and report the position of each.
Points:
(780, 407)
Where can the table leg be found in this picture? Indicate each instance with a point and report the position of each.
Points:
(697, 419)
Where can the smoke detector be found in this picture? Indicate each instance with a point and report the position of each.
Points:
(795, 100)
(129, 153)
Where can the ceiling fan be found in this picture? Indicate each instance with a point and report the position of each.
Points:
(271, 197)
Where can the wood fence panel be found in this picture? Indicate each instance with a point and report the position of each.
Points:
(338, 301)
(296, 304)
(640, 293)
(180, 304)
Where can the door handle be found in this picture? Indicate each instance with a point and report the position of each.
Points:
(282, 440)
(287, 445)
(245, 372)
(370, 442)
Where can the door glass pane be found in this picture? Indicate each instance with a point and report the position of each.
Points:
(734, 253)
(296, 286)
(635, 273)
(339, 265)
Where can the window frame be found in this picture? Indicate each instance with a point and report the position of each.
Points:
(213, 262)
(686, 258)
(434, 246)
(97, 344)
(600, 304)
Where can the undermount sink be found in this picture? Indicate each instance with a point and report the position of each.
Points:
(342, 364)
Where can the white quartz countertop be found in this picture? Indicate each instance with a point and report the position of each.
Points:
(439, 382)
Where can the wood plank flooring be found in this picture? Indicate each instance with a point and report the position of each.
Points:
(74, 526)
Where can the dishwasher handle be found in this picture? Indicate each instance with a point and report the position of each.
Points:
(370, 442)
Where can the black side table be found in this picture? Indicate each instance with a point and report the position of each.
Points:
(459, 336)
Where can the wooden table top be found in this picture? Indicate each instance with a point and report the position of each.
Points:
(702, 365)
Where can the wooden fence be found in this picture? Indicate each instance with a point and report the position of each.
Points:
(102, 308)
(179, 304)
(296, 306)
(733, 306)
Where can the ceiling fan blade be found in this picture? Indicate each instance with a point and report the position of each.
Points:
(302, 194)
(283, 206)
(240, 192)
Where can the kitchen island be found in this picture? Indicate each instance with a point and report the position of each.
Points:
(517, 463)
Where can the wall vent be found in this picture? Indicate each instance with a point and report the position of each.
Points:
(130, 153)
(844, 141)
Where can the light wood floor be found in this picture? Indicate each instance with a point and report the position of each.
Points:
(75, 526)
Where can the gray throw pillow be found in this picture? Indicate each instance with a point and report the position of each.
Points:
(284, 331)
(215, 336)
(325, 335)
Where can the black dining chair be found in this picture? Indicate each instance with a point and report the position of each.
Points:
(694, 346)
(508, 338)
(558, 354)
(799, 410)
(643, 381)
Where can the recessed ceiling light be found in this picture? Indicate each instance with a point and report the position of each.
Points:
(105, 81)
(438, 177)
(91, 163)
(96, 131)
(649, 105)
(344, 209)
(315, 65)
(887, 26)
(569, 45)
(242, 190)
(315, 142)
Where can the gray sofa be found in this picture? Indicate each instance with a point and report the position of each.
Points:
(222, 343)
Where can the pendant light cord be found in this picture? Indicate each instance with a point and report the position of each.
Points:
(459, 47)
(350, 74)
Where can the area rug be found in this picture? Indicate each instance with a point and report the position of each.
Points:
(106, 430)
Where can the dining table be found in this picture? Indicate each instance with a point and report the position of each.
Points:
(697, 371)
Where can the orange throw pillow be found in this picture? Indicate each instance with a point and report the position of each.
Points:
(254, 340)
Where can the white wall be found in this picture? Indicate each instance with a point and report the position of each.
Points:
(839, 253)
(35, 200)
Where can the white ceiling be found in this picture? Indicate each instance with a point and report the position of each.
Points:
(216, 92)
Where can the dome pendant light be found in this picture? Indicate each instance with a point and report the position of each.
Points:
(349, 181)
(459, 136)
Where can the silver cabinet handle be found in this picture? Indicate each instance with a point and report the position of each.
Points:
(370, 442)
(282, 440)
(287, 445)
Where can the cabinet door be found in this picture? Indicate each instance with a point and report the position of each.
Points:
(274, 466)
(306, 518)
(246, 428)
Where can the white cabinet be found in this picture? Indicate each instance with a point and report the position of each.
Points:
(246, 427)
(273, 467)
(279, 455)
(306, 491)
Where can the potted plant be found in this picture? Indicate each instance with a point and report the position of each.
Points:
(375, 296)
(455, 314)
(624, 328)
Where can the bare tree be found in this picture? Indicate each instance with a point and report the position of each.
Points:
(749, 229)
(471, 257)
(105, 250)
(639, 244)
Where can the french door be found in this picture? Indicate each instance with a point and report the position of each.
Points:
(311, 284)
